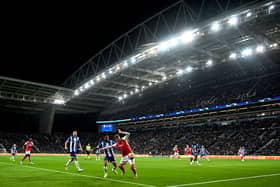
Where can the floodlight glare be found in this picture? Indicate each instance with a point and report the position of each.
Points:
(118, 68)
(59, 101)
(275, 45)
(76, 92)
(110, 71)
(173, 42)
(120, 98)
(247, 52)
(98, 78)
(164, 78)
(164, 46)
(187, 37)
(150, 83)
(91, 82)
(232, 56)
(189, 69)
(87, 85)
(103, 75)
(271, 7)
(233, 20)
(180, 72)
(124, 95)
(125, 64)
(133, 60)
(248, 14)
(260, 49)
(136, 90)
(209, 63)
(81, 89)
(131, 92)
(215, 26)
(143, 87)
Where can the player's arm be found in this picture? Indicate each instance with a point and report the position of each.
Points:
(66, 144)
(108, 147)
(127, 134)
(80, 145)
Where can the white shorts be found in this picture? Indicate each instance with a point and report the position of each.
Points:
(126, 160)
(27, 152)
(176, 153)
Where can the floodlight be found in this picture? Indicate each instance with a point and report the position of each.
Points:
(87, 85)
(98, 78)
(233, 20)
(249, 14)
(133, 60)
(59, 101)
(247, 52)
(150, 83)
(233, 56)
(91, 82)
(76, 92)
(187, 37)
(180, 72)
(120, 98)
(260, 49)
(209, 63)
(173, 42)
(271, 7)
(125, 64)
(103, 75)
(164, 78)
(110, 71)
(215, 26)
(164, 46)
(189, 69)
(136, 90)
(131, 92)
(124, 96)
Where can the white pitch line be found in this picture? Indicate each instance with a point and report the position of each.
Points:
(81, 175)
(225, 180)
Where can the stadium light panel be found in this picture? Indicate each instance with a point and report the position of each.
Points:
(271, 7)
(91, 82)
(120, 98)
(143, 87)
(87, 85)
(249, 14)
(233, 21)
(150, 83)
(173, 42)
(164, 78)
(132, 60)
(215, 27)
(81, 89)
(59, 101)
(136, 90)
(110, 71)
(275, 45)
(233, 56)
(125, 64)
(247, 52)
(76, 92)
(164, 46)
(187, 37)
(180, 72)
(209, 63)
(103, 75)
(131, 92)
(260, 49)
(189, 69)
(124, 96)
(98, 78)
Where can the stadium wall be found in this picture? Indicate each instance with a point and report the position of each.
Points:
(250, 157)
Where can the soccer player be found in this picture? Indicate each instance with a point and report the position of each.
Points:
(127, 154)
(242, 153)
(204, 153)
(109, 155)
(97, 152)
(13, 152)
(28, 147)
(195, 150)
(88, 150)
(176, 152)
(188, 152)
(74, 146)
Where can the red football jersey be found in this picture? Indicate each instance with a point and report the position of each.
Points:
(188, 151)
(176, 150)
(28, 146)
(124, 147)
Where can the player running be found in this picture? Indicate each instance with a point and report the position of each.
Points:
(242, 153)
(204, 153)
(88, 150)
(127, 154)
(74, 146)
(109, 155)
(188, 152)
(13, 152)
(195, 150)
(176, 152)
(28, 147)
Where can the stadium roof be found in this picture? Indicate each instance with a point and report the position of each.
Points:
(171, 43)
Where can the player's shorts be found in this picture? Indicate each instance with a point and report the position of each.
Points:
(126, 160)
(242, 155)
(190, 156)
(13, 154)
(202, 155)
(27, 153)
(110, 158)
(176, 153)
(88, 152)
(73, 154)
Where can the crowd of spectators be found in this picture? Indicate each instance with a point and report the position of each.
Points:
(260, 137)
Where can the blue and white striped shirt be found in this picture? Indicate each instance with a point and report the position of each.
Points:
(74, 142)
(107, 152)
(13, 149)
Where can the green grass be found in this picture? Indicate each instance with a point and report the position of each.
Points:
(152, 171)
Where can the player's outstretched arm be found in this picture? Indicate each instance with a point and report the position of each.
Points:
(108, 147)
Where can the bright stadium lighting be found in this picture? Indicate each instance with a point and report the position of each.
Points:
(164, 46)
(118, 68)
(110, 71)
(209, 63)
(249, 14)
(153, 51)
(271, 7)
(247, 52)
(131, 92)
(125, 64)
(233, 20)
(87, 85)
(180, 72)
(274, 45)
(187, 37)
(91, 82)
(124, 96)
(132, 60)
(173, 42)
(120, 98)
(233, 56)
(98, 78)
(215, 27)
(81, 89)
(260, 49)
(150, 83)
(164, 78)
(103, 75)
(59, 101)
(76, 92)
(189, 69)
(136, 90)
(143, 87)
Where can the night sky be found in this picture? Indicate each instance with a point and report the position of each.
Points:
(48, 43)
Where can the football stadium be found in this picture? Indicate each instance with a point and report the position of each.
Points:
(188, 95)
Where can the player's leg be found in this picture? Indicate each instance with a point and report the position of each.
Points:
(74, 156)
(114, 163)
(29, 158)
(132, 167)
(124, 161)
(105, 167)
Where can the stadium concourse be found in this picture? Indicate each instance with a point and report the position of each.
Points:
(199, 81)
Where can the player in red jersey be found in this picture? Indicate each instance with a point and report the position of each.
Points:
(176, 152)
(28, 147)
(188, 152)
(127, 153)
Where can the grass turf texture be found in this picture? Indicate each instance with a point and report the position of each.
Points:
(49, 171)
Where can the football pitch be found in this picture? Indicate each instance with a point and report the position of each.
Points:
(48, 171)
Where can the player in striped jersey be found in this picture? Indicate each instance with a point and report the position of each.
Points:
(13, 152)
(109, 155)
(74, 147)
